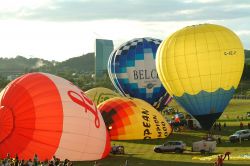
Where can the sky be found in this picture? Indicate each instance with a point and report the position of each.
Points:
(62, 29)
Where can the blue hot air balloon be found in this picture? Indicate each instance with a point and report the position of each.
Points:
(132, 70)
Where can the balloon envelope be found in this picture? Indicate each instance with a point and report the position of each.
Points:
(100, 94)
(130, 119)
(133, 72)
(201, 66)
(47, 115)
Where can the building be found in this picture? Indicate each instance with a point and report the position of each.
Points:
(103, 49)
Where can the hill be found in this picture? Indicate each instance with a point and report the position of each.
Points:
(84, 63)
(19, 64)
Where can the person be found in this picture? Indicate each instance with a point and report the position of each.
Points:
(22, 163)
(16, 160)
(241, 125)
(220, 160)
(56, 160)
(65, 163)
(126, 163)
(51, 163)
(225, 125)
(248, 125)
(215, 125)
(35, 160)
(219, 140)
(219, 126)
(8, 156)
(227, 154)
(29, 163)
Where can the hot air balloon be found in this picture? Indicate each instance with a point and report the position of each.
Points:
(131, 119)
(201, 66)
(133, 72)
(47, 115)
(100, 94)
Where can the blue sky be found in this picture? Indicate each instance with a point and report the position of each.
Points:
(61, 29)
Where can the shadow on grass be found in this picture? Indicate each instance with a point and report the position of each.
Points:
(134, 161)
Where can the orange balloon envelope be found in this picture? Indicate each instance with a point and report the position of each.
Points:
(130, 119)
(47, 115)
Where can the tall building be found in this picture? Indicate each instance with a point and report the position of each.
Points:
(103, 49)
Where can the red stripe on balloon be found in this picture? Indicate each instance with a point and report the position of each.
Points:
(37, 117)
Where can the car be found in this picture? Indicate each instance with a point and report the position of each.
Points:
(117, 149)
(240, 134)
(171, 146)
(248, 114)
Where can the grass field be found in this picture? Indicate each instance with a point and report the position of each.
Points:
(141, 152)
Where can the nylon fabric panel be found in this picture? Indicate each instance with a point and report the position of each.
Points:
(133, 70)
(84, 131)
(132, 119)
(201, 58)
(33, 117)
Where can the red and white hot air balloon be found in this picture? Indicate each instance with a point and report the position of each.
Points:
(47, 115)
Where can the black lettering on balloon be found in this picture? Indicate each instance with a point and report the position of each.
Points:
(146, 124)
(141, 74)
(135, 75)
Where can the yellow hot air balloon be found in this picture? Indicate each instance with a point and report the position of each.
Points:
(201, 66)
(131, 119)
(100, 94)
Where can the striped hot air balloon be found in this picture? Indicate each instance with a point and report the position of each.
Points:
(47, 115)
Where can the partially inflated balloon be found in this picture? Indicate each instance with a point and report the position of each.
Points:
(133, 72)
(100, 94)
(201, 66)
(47, 115)
(130, 119)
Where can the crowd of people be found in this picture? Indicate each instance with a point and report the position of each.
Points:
(16, 161)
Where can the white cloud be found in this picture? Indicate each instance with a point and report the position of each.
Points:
(16, 5)
(60, 29)
(189, 11)
(200, 1)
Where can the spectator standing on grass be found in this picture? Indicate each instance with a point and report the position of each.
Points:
(35, 160)
(29, 163)
(51, 163)
(215, 125)
(220, 160)
(219, 126)
(126, 163)
(227, 154)
(248, 125)
(22, 163)
(241, 125)
(16, 162)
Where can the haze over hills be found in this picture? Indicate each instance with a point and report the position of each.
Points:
(84, 63)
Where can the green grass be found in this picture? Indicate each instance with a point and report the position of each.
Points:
(140, 152)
